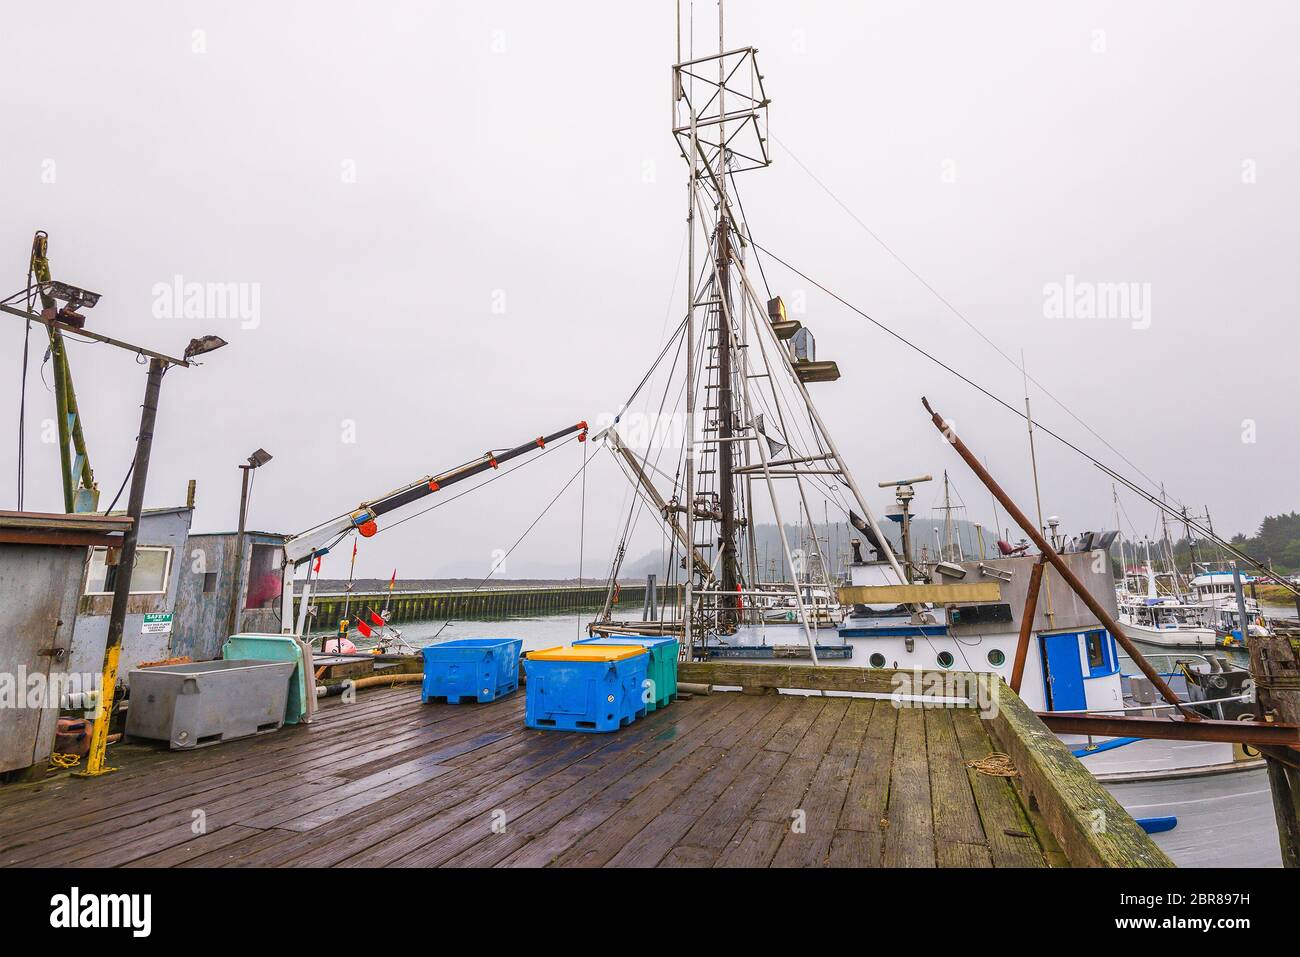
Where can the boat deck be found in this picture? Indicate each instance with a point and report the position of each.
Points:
(727, 779)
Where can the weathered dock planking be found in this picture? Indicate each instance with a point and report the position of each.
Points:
(753, 779)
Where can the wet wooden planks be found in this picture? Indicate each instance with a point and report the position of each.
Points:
(715, 781)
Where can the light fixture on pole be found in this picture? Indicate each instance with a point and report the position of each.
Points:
(256, 460)
(203, 345)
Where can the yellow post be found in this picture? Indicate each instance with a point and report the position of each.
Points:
(104, 708)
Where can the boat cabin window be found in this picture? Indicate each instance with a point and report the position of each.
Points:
(1096, 650)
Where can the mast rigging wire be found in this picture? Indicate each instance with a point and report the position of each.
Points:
(953, 309)
(1011, 408)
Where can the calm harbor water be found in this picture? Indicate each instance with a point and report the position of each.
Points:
(543, 632)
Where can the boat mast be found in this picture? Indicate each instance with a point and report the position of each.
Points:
(727, 565)
(951, 548)
(688, 505)
(1119, 537)
(1169, 546)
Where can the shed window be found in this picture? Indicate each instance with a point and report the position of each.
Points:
(150, 577)
(209, 582)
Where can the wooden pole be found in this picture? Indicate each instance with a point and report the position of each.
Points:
(1275, 667)
(95, 765)
(1058, 563)
(1027, 625)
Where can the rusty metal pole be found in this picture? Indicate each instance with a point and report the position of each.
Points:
(1027, 625)
(1058, 563)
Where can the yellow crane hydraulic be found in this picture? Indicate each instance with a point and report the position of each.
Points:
(80, 493)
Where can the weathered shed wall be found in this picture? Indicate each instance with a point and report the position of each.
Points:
(202, 616)
(169, 528)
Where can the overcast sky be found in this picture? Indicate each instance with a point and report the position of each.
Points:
(462, 222)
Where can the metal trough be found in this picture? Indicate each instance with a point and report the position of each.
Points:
(195, 705)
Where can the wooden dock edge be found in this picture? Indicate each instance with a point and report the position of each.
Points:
(1086, 820)
(1090, 826)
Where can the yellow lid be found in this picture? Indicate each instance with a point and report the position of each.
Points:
(587, 653)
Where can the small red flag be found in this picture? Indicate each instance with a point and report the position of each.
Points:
(393, 581)
(354, 548)
(317, 567)
(363, 628)
(375, 619)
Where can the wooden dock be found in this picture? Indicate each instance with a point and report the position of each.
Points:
(729, 779)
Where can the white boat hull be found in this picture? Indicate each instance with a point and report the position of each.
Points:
(1172, 637)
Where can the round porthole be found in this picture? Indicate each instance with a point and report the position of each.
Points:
(997, 658)
(877, 660)
(945, 659)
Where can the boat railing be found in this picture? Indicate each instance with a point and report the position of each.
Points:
(1166, 663)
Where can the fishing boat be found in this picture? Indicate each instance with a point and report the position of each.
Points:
(1216, 591)
(1168, 622)
(1164, 619)
(737, 372)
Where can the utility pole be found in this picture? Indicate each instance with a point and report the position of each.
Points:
(125, 567)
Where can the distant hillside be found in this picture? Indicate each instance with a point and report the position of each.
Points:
(1277, 540)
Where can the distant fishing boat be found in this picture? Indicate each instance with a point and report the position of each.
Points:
(1165, 620)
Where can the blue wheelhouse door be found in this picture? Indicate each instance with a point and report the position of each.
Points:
(1064, 673)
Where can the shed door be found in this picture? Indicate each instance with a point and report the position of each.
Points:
(40, 586)
(1064, 673)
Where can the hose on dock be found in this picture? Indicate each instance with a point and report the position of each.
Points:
(370, 681)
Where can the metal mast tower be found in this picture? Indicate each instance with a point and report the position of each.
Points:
(720, 122)
(743, 354)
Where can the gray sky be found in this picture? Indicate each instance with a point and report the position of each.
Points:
(463, 223)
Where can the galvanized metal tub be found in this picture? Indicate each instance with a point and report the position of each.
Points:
(195, 705)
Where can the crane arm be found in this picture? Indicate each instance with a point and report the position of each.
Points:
(364, 519)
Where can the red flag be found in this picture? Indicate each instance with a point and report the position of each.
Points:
(317, 567)
(376, 619)
(354, 549)
(363, 628)
(392, 581)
